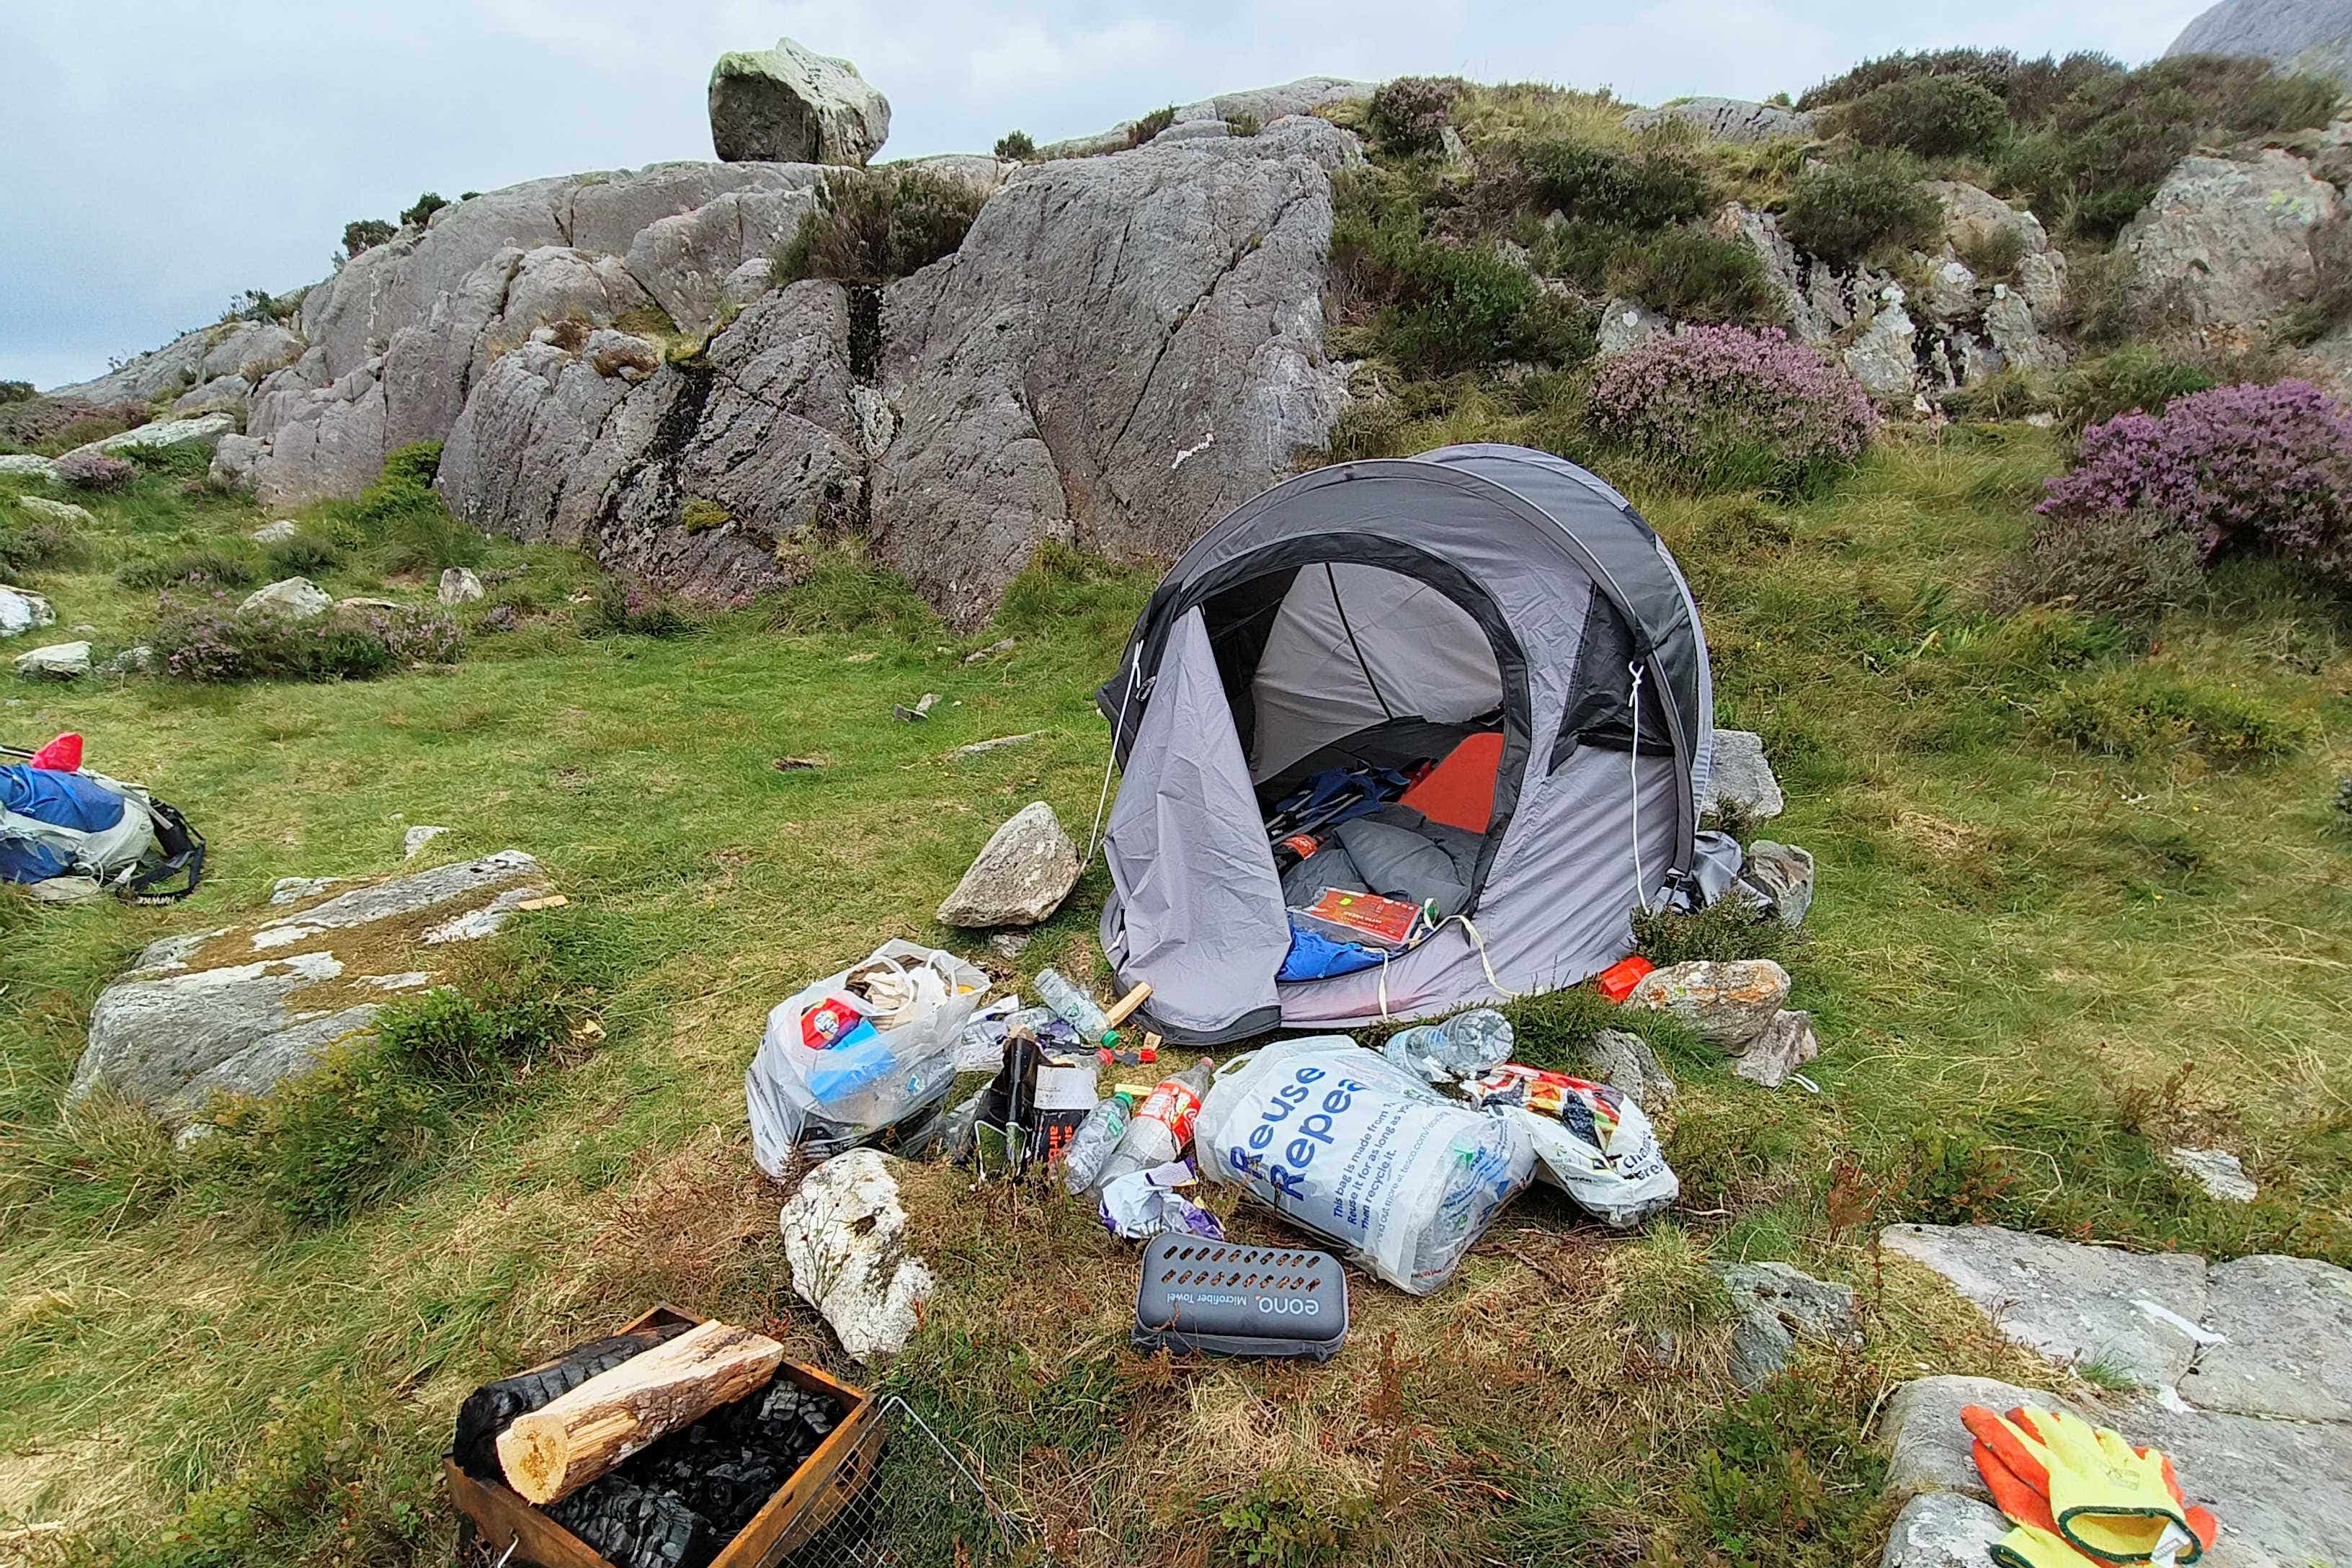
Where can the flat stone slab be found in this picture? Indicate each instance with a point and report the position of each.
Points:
(2287, 1323)
(1943, 1530)
(243, 1009)
(2137, 1314)
(1777, 1306)
(1927, 1446)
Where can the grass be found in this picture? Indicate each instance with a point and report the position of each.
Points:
(2037, 953)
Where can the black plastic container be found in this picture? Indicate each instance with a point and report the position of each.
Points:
(1226, 1300)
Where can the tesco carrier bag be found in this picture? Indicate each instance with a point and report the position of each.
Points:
(1355, 1150)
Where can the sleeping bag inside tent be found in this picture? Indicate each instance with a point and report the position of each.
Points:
(1402, 736)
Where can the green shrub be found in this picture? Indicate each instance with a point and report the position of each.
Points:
(365, 234)
(402, 520)
(1243, 125)
(1442, 306)
(1292, 1519)
(448, 1038)
(1644, 192)
(2009, 393)
(1933, 116)
(1723, 931)
(1692, 275)
(2126, 565)
(1151, 126)
(212, 642)
(629, 608)
(16, 392)
(304, 555)
(41, 545)
(870, 227)
(421, 213)
(1989, 69)
(2135, 377)
(328, 1144)
(2135, 713)
(1408, 114)
(191, 568)
(1995, 254)
(1845, 212)
(1016, 144)
(1789, 1480)
(183, 462)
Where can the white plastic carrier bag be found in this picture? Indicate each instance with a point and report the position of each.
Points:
(1358, 1152)
(822, 1101)
(1595, 1144)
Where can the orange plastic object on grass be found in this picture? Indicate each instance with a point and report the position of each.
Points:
(1617, 980)
(62, 755)
(1460, 791)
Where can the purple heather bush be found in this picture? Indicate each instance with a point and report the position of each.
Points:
(96, 471)
(2241, 468)
(1725, 407)
(209, 641)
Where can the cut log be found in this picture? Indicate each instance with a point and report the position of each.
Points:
(569, 1441)
(1126, 1005)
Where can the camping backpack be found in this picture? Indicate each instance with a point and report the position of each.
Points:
(55, 824)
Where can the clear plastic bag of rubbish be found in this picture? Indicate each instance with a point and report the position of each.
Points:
(866, 1087)
(1595, 1144)
(1353, 1149)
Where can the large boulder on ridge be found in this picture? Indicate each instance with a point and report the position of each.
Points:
(793, 105)
(2226, 241)
(2313, 35)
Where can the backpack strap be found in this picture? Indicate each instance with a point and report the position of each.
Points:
(183, 857)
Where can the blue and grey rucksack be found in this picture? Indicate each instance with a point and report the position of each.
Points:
(87, 827)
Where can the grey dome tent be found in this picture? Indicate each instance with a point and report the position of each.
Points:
(1409, 603)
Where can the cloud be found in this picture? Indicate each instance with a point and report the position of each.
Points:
(164, 156)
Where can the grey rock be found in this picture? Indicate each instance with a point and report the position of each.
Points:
(2041, 281)
(2287, 1323)
(2017, 337)
(459, 586)
(845, 1235)
(244, 1009)
(1192, 130)
(222, 395)
(295, 598)
(1454, 153)
(1927, 1446)
(294, 889)
(1741, 776)
(1020, 877)
(2227, 242)
(1267, 104)
(234, 460)
(1729, 1004)
(1974, 220)
(1001, 743)
(2217, 1170)
(1784, 873)
(205, 430)
(1728, 119)
(412, 841)
(791, 105)
(245, 349)
(2314, 36)
(22, 610)
(1885, 357)
(277, 532)
(137, 659)
(61, 511)
(919, 712)
(691, 261)
(2267, 1480)
(58, 661)
(1093, 146)
(1823, 302)
(1777, 1305)
(1786, 1044)
(1627, 324)
(1942, 1530)
(1009, 944)
(982, 655)
(1122, 349)
(23, 464)
(2135, 1314)
(1951, 294)
(1625, 1062)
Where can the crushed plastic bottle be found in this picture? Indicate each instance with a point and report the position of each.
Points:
(1161, 1127)
(1096, 1139)
(1462, 1049)
(1071, 1004)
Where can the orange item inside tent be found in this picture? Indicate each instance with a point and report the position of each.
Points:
(1460, 791)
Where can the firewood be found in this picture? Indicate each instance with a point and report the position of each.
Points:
(569, 1442)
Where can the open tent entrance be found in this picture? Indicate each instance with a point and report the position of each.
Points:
(1370, 704)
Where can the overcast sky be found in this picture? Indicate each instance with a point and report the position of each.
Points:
(161, 155)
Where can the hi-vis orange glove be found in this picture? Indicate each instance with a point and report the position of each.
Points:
(2055, 1473)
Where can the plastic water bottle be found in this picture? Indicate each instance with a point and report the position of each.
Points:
(1163, 1124)
(1092, 1145)
(1071, 1004)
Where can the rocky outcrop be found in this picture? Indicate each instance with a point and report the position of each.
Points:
(1123, 349)
(2227, 242)
(210, 356)
(2313, 35)
(243, 1009)
(792, 105)
(1727, 119)
(1264, 104)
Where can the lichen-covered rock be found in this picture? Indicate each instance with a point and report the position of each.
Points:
(2227, 242)
(1777, 1305)
(26, 466)
(1626, 325)
(1785, 1044)
(204, 430)
(1741, 777)
(792, 105)
(22, 610)
(1823, 302)
(1020, 877)
(1944, 1530)
(1727, 1005)
(234, 461)
(2215, 1170)
(1122, 349)
(1885, 357)
(1927, 1448)
(1625, 1062)
(58, 511)
(844, 1237)
(293, 598)
(2311, 35)
(1783, 873)
(1727, 119)
(241, 1010)
(459, 586)
(58, 661)
(277, 532)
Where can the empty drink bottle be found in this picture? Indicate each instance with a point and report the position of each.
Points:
(1096, 1139)
(1073, 1006)
(1163, 1124)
